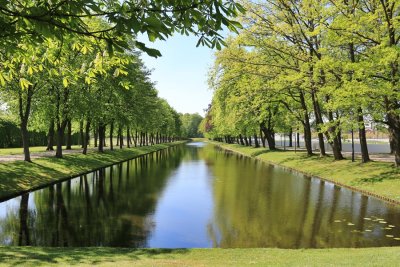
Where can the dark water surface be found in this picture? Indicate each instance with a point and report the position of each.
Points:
(196, 195)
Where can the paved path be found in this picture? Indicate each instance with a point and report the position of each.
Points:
(386, 157)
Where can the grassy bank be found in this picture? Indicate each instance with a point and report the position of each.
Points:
(19, 176)
(33, 256)
(380, 179)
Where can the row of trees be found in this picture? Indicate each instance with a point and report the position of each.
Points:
(190, 125)
(324, 65)
(72, 64)
(77, 83)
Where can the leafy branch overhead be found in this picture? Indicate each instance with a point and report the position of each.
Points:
(159, 19)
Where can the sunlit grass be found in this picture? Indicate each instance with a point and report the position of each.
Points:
(19, 176)
(34, 149)
(381, 178)
(33, 256)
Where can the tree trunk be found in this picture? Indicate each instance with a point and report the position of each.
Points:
(95, 133)
(81, 133)
(128, 137)
(245, 140)
(101, 132)
(298, 139)
(269, 135)
(363, 137)
(25, 142)
(111, 135)
(69, 135)
(256, 143)
(24, 116)
(391, 141)
(87, 137)
(50, 136)
(121, 138)
(332, 137)
(60, 137)
(319, 121)
(393, 121)
(306, 127)
(135, 139)
(262, 138)
(241, 139)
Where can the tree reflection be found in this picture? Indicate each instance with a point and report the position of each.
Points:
(109, 207)
(257, 205)
(23, 237)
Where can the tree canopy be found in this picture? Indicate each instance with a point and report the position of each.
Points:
(325, 66)
(158, 19)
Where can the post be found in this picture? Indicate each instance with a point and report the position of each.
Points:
(352, 144)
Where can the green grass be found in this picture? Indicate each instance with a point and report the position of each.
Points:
(34, 256)
(33, 149)
(379, 178)
(19, 176)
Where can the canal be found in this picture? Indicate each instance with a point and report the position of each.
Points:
(197, 195)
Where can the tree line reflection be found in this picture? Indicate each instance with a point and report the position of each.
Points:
(255, 205)
(259, 205)
(109, 207)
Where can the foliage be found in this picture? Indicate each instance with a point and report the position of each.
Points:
(190, 125)
(159, 19)
(310, 64)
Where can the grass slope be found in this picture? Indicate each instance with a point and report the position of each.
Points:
(377, 178)
(33, 256)
(19, 176)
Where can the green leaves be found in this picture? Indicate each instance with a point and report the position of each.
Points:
(24, 83)
(65, 82)
(158, 18)
(150, 51)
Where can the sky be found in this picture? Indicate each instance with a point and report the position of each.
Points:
(181, 73)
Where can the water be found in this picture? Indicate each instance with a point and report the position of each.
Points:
(196, 195)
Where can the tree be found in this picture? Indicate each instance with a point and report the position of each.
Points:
(159, 19)
(190, 125)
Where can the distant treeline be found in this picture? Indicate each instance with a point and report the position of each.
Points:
(10, 135)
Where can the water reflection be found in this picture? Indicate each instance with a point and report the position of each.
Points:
(197, 196)
(110, 207)
(259, 205)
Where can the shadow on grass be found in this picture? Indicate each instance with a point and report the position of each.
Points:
(389, 175)
(22, 256)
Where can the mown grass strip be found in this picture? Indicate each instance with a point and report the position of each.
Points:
(379, 179)
(36, 256)
(19, 176)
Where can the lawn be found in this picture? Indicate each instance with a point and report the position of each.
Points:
(33, 149)
(376, 178)
(36, 256)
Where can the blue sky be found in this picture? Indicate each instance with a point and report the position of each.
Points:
(181, 73)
